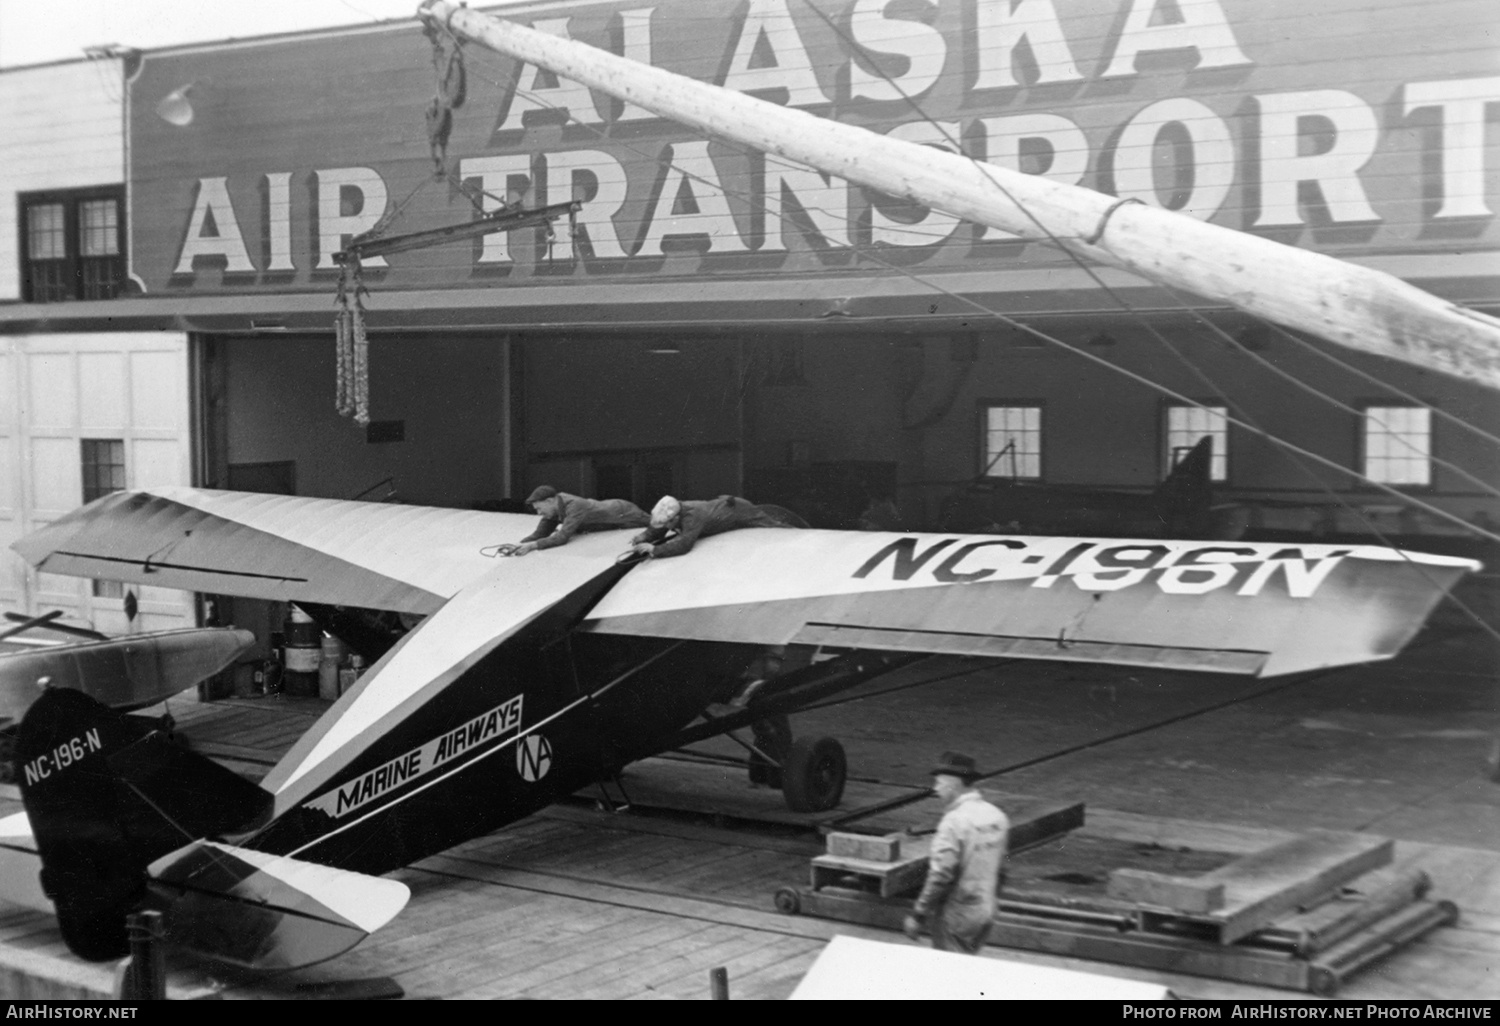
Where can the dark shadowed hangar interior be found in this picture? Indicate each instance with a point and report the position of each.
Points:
(717, 321)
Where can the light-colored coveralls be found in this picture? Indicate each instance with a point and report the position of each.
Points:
(963, 874)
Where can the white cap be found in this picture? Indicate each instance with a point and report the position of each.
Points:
(665, 511)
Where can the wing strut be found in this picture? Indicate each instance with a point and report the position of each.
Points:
(795, 690)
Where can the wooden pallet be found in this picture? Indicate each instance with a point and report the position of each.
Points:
(894, 863)
(1252, 892)
(1303, 915)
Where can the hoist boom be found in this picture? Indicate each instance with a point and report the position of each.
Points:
(1344, 303)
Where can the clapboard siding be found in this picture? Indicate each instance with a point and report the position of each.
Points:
(63, 129)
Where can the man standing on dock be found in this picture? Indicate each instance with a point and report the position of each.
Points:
(963, 870)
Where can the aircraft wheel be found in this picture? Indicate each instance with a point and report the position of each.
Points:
(814, 774)
(788, 901)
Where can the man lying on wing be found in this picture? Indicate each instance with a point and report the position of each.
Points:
(676, 526)
(565, 515)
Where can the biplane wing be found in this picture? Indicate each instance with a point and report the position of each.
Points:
(1236, 607)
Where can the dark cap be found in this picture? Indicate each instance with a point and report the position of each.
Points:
(542, 492)
(957, 764)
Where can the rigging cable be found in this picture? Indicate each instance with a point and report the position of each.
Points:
(1037, 333)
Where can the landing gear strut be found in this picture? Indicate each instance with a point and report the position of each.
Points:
(812, 770)
(809, 771)
(773, 740)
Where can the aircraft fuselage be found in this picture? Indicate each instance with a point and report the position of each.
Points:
(546, 713)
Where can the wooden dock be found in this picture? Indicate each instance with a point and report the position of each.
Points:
(581, 902)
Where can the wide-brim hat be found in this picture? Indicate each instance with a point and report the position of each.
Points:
(541, 494)
(957, 764)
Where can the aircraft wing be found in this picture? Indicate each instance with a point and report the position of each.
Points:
(1234, 607)
(374, 555)
(1230, 607)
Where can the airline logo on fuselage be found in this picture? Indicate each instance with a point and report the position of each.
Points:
(1102, 566)
(482, 732)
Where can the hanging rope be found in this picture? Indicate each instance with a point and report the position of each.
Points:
(351, 341)
(452, 90)
(352, 345)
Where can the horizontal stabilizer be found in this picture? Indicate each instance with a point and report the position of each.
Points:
(267, 912)
(20, 866)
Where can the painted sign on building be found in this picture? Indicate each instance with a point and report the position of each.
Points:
(1358, 129)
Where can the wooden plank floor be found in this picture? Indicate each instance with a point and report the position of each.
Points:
(575, 902)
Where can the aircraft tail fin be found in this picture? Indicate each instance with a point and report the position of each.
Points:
(106, 795)
(1184, 499)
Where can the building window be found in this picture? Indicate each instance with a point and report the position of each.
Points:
(103, 467)
(1186, 427)
(1013, 442)
(103, 462)
(73, 244)
(1398, 445)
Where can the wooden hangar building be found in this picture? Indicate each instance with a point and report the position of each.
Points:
(714, 320)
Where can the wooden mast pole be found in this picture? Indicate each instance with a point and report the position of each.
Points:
(1341, 302)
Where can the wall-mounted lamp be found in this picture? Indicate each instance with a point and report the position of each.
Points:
(175, 108)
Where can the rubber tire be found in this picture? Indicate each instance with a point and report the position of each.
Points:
(813, 775)
(788, 901)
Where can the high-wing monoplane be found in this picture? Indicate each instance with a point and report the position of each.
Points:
(528, 679)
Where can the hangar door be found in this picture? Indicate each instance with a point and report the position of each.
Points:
(632, 418)
(81, 416)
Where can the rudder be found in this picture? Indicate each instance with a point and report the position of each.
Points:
(106, 794)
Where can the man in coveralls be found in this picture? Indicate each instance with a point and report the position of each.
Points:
(565, 515)
(676, 526)
(963, 870)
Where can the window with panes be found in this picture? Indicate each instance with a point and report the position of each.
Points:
(103, 463)
(72, 245)
(1012, 442)
(1397, 445)
(1186, 426)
